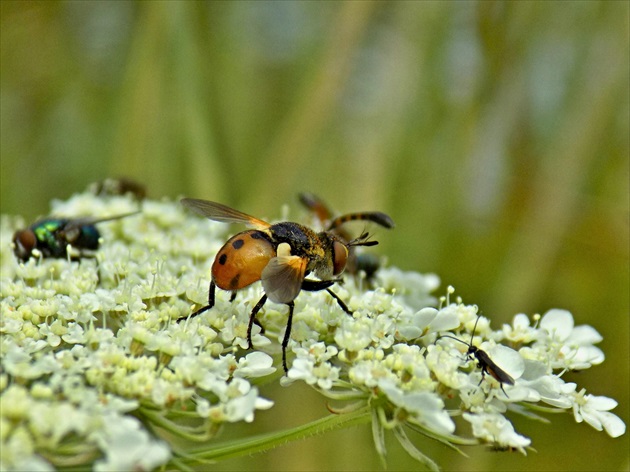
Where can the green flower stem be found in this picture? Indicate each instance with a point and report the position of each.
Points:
(378, 433)
(266, 442)
(180, 465)
(449, 440)
(66, 460)
(157, 419)
(413, 451)
(545, 409)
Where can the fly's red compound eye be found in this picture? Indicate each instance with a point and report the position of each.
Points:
(340, 257)
(25, 241)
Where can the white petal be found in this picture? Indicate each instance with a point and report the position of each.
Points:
(424, 317)
(263, 403)
(255, 364)
(429, 411)
(302, 369)
(520, 321)
(601, 403)
(409, 332)
(534, 369)
(613, 425)
(558, 323)
(592, 418)
(445, 322)
(508, 359)
(587, 356)
(585, 334)
(551, 390)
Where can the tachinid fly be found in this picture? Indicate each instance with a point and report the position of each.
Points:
(50, 237)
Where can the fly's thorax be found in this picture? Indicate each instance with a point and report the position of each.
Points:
(304, 242)
(84, 237)
(50, 239)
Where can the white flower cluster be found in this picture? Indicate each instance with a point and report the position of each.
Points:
(94, 361)
(394, 356)
(84, 344)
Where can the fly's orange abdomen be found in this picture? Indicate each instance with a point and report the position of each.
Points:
(241, 260)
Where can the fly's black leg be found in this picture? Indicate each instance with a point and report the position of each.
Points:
(317, 285)
(252, 320)
(259, 324)
(256, 322)
(208, 306)
(211, 294)
(343, 306)
(287, 336)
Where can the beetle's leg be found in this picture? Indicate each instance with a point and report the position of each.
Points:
(483, 375)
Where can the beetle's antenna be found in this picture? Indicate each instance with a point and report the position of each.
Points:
(453, 337)
(474, 329)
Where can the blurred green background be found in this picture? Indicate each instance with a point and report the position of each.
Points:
(495, 134)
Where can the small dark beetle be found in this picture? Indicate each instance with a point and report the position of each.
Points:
(484, 362)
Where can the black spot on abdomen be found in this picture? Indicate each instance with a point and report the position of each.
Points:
(238, 244)
(234, 282)
(222, 259)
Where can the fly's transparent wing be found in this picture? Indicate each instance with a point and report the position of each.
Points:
(222, 213)
(282, 278)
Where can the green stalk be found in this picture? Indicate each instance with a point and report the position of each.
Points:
(266, 442)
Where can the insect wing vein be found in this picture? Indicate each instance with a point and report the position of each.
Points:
(92, 220)
(282, 278)
(222, 213)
